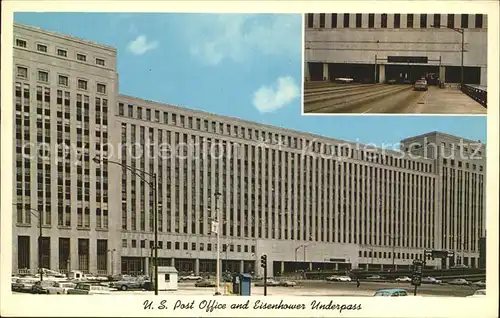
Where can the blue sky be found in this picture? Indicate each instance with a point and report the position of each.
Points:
(245, 66)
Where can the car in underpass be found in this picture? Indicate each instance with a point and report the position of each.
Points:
(420, 85)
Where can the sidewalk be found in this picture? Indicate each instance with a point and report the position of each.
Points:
(448, 100)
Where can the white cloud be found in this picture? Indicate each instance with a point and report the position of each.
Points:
(213, 38)
(141, 45)
(270, 98)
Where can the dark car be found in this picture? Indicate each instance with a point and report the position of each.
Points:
(40, 287)
(128, 284)
(205, 283)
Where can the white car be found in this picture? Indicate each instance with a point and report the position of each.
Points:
(344, 279)
(60, 288)
(404, 279)
(479, 284)
(191, 277)
(479, 293)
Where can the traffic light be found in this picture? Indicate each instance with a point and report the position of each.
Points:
(416, 280)
(263, 261)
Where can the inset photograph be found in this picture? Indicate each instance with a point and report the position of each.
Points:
(395, 63)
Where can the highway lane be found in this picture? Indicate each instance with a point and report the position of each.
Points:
(365, 286)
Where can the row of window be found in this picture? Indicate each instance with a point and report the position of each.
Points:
(338, 20)
(460, 165)
(43, 76)
(185, 246)
(274, 140)
(61, 52)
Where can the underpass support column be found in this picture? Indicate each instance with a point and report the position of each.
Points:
(381, 71)
(484, 77)
(325, 72)
(197, 266)
(442, 74)
(307, 74)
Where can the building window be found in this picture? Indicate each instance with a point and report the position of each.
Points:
(41, 48)
(62, 52)
(82, 84)
(451, 21)
(334, 20)
(465, 21)
(99, 61)
(409, 20)
(124, 242)
(21, 43)
(101, 88)
(43, 76)
(63, 80)
(371, 20)
(81, 57)
(397, 21)
(359, 19)
(437, 20)
(479, 21)
(346, 20)
(383, 20)
(22, 72)
(321, 20)
(310, 20)
(423, 20)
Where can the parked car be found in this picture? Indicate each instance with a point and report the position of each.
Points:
(420, 85)
(459, 266)
(479, 293)
(479, 284)
(404, 279)
(373, 277)
(340, 278)
(205, 283)
(88, 289)
(269, 281)
(128, 284)
(332, 278)
(40, 287)
(391, 292)
(431, 280)
(23, 284)
(190, 277)
(60, 288)
(287, 283)
(391, 81)
(459, 281)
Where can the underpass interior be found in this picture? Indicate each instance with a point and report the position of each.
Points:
(360, 73)
(472, 75)
(409, 74)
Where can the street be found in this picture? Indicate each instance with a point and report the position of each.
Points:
(387, 99)
(321, 289)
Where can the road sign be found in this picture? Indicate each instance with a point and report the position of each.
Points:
(407, 59)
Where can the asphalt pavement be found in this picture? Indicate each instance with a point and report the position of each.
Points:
(388, 99)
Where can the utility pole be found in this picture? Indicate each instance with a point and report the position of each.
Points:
(217, 265)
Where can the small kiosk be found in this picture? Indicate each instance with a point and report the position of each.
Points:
(241, 284)
(167, 278)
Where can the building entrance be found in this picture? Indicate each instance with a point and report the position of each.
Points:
(409, 74)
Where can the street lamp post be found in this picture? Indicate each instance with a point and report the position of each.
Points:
(462, 33)
(153, 185)
(38, 215)
(217, 265)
